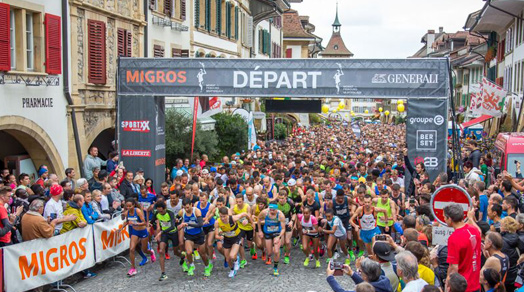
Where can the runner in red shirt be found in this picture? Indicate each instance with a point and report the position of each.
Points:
(464, 247)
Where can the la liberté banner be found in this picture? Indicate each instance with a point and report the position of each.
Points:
(35, 263)
(343, 78)
(109, 242)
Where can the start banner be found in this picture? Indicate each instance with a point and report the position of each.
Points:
(108, 241)
(39, 262)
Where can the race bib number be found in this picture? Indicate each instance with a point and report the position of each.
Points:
(273, 229)
(243, 221)
(145, 205)
(230, 233)
(165, 224)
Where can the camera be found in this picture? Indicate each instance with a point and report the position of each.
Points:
(380, 237)
(337, 267)
(412, 201)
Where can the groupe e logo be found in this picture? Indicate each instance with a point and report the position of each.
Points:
(437, 120)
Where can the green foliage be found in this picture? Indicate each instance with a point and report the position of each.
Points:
(232, 133)
(314, 119)
(399, 120)
(280, 131)
(178, 138)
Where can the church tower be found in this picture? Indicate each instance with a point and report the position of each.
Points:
(336, 47)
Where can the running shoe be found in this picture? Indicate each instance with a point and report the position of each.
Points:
(275, 272)
(295, 241)
(236, 265)
(168, 257)
(131, 272)
(268, 262)
(225, 264)
(336, 255)
(252, 251)
(181, 261)
(243, 263)
(286, 260)
(347, 262)
(89, 275)
(153, 257)
(352, 256)
(306, 262)
(328, 260)
(360, 253)
(301, 247)
(207, 270)
(162, 277)
(185, 268)
(254, 256)
(263, 256)
(214, 255)
(322, 251)
(196, 254)
(317, 264)
(191, 270)
(143, 262)
(232, 274)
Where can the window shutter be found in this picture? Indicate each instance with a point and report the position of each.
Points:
(129, 44)
(121, 45)
(158, 51)
(152, 4)
(197, 13)
(219, 16)
(289, 53)
(97, 51)
(184, 54)
(228, 20)
(53, 44)
(236, 23)
(168, 7)
(183, 9)
(208, 15)
(250, 35)
(176, 53)
(5, 37)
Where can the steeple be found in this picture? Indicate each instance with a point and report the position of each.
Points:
(336, 24)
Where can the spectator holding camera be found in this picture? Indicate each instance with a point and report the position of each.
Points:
(370, 272)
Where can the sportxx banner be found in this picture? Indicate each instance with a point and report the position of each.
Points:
(426, 134)
(343, 78)
(108, 241)
(39, 262)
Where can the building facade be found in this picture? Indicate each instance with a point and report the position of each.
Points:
(33, 115)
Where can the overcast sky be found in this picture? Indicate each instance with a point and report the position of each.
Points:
(386, 28)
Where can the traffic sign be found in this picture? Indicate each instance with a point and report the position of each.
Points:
(446, 195)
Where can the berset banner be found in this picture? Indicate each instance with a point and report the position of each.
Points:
(426, 134)
(284, 77)
(38, 262)
(141, 135)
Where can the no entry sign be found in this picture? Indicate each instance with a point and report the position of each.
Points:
(446, 195)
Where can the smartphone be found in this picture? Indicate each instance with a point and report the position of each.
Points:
(380, 237)
(53, 216)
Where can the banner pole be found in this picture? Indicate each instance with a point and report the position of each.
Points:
(195, 114)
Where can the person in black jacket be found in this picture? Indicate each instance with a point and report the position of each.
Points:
(508, 230)
(419, 169)
(475, 153)
(127, 188)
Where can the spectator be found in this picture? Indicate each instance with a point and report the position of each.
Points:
(474, 156)
(42, 176)
(92, 161)
(464, 251)
(7, 221)
(116, 196)
(127, 188)
(508, 231)
(97, 205)
(509, 205)
(407, 268)
(480, 186)
(82, 184)
(87, 209)
(25, 182)
(70, 177)
(179, 166)
(471, 172)
(384, 253)
(370, 272)
(365, 287)
(431, 288)
(496, 259)
(150, 187)
(420, 252)
(112, 163)
(457, 283)
(490, 280)
(35, 226)
(335, 286)
(54, 208)
(74, 207)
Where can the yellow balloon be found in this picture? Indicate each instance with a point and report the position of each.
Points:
(380, 109)
(400, 101)
(352, 114)
(341, 105)
(346, 115)
(366, 112)
(335, 110)
(325, 108)
(401, 107)
(386, 113)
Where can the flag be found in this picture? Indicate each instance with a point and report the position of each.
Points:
(356, 129)
(251, 133)
(493, 98)
(476, 100)
(516, 102)
(195, 116)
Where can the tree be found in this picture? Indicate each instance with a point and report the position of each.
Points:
(280, 131)
(232, 133)
(178, 138)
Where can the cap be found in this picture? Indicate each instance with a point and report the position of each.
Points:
(273, 206)
(41, 171)
(205, 171)
(379, 158)
(213, 169)
(56, 190)
(291, 182)
(362, 180)
(384, 251)
(179, 172)
(140, 169)
(233, 163)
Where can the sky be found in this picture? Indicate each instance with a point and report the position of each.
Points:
(386, 28)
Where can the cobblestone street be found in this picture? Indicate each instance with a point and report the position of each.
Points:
(256, 276)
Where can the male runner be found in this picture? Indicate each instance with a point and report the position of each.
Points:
(245, 226)
(273, 224)
(287, 207)
(367, 218)
(167, 231)
(385, 223)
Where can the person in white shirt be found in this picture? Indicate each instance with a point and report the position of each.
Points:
(407, 269)
(54, 208)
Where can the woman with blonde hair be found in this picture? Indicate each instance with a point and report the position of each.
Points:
(508, 230)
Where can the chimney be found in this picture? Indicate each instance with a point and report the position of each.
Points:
(430, 39)
(431, 31)
(441, 29)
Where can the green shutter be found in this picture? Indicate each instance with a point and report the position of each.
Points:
(208, 15)
(228, 19)
(219, 16)
(197, 13)
(236, 23)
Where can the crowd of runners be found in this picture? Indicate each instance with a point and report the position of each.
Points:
(336, 196)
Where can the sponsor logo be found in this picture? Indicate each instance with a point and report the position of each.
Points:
(429, 162)
(426, 140)
(160, 147)
(437, 120)
(151, 76)
(136, 126)
(136, 153)
(405, 78)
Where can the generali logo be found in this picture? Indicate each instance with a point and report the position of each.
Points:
(136, 153)
(136, 126)
(405, 78)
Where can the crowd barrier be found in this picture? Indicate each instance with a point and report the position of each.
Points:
(35, 263)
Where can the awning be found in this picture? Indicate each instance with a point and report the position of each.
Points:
(476, 121)
(494, 16)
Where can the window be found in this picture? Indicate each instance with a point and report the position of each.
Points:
(29, 38)
(125, 40)
(168, 7)
(158, 51)
(335, 47)
(178, 53)
(13, 40)
(96, 37)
